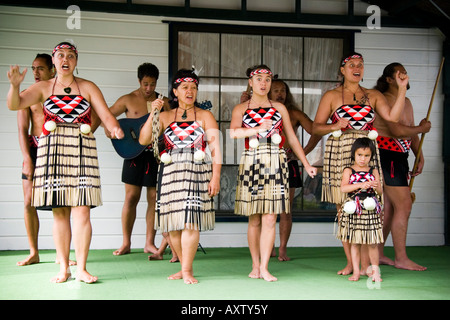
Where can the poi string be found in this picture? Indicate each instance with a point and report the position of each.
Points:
(155, 130)
(419, 150)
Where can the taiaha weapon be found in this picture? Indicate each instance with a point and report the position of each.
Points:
(419, 150)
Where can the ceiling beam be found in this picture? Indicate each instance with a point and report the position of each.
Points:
(243, 14)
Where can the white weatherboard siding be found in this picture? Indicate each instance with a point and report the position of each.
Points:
(111, 47)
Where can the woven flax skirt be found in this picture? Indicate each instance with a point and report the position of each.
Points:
(364, 228)
(182, 200)
(336, 158)
(263, 181)
(66, 173)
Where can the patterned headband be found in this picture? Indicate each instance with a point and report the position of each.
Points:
(354, 56)
(260, 71)
(186, 79)
(65, 46)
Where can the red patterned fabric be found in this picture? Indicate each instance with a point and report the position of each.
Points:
(392, 144)
(187, 134)
(67, 108)
(360, 117)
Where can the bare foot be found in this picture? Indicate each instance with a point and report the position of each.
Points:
(346, 271)
(86, 277)
(376, 277)
(409, 265)
(175, 276)
(151, 249)
(174, 259)
(354, 277)
(61, 277)
(31, 259)
(266, 275)
(155, 256)
(188, 278)
(383, 260)
(255, 274)
(282, 255)
(122, 250)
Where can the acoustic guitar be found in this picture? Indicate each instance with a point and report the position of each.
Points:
(129, 147)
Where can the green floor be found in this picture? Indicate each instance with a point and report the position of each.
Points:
(222, 275)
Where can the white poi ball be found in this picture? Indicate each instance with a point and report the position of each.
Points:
(50, 125)
(369, 203)
(337, 134)
(166, 158)
(373, 134)
(276, 138)
(85, 128)
(199, 155)
(350, 207)
(254, 143)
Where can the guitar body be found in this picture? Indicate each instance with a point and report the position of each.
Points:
(129, 147)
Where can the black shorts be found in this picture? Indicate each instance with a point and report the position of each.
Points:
(141, 171)
(395, 168)
(295, 176)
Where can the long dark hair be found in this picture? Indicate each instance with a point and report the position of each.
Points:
(388, 72)
(289, 103)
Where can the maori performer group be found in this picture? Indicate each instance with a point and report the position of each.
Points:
(365, 171)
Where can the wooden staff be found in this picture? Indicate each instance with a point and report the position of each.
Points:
(419, 150)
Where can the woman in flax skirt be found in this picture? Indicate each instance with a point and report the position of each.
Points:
(262, 188)
(66, 179)
(351, 109)
(188, 178)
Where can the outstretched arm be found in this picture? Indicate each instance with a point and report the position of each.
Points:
(381, 105)
(17, 100)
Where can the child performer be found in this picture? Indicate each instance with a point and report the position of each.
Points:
(360, 221)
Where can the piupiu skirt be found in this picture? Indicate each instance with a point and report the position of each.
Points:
(263, 181)
(364, 228)
(182, 199)
(66, 173)
(337, 157)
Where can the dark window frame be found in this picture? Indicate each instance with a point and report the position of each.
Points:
(347, 35)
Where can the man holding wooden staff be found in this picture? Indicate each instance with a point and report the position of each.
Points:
(394, 142)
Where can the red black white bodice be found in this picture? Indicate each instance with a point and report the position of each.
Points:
(362, 176)
(360, 117)
(184, 134)
(67, 108)
(254, 117)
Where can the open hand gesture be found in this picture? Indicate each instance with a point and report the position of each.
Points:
(15, 76)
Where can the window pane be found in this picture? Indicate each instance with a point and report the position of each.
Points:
(208, 90)
(227, 194)
(308, 64)
(313, 92)
(322, 57)
(283, 55)
(239, 52)
(231, 91)
(200, 50)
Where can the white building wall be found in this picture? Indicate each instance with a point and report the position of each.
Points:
(111, 46)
